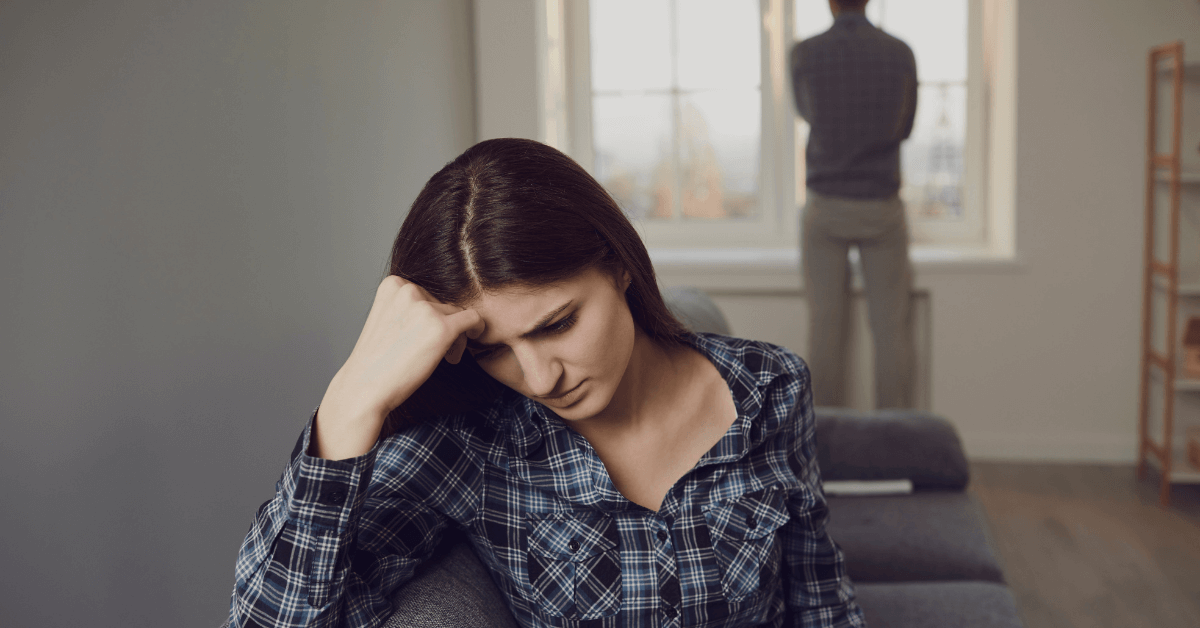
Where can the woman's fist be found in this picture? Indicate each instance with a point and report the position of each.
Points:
(406, 334)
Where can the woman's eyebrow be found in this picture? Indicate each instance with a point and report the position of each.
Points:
(541, 325)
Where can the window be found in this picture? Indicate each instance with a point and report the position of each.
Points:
(683, 110)
(677, 94)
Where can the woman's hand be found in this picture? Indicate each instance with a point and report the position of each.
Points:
(406, 334)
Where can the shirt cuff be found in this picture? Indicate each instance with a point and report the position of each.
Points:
(325, 494)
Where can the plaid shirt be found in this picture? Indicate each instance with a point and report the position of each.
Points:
(857, 88)
(738, 541)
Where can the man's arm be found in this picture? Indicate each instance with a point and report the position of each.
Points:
(799, 89)
(910, 94)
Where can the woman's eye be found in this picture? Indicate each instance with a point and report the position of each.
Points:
(562, 325)
(552, 329)
(483, 354)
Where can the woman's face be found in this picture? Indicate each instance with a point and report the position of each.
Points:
(566, 345)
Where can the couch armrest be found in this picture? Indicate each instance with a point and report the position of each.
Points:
(890, 445)
(695, 309)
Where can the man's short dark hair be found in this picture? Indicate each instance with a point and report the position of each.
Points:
(853, 5)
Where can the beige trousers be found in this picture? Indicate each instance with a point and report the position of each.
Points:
(831, 225)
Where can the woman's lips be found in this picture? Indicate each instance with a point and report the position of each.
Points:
(564, 400)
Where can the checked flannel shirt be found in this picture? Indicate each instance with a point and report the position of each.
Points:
(857, 88)
(738, 541)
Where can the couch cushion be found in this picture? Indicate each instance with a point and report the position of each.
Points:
(890, 445)
(925, 536)
(938, 604)
(451, 590)
(695, 309)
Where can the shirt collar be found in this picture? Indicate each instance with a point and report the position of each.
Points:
(851, 19)
(748, 370)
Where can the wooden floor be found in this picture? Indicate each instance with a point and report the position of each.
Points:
(1088, 545)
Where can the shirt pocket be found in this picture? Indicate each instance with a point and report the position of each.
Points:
(574, 564)
(744, 540)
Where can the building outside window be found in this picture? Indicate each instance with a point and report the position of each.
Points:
(677, 106)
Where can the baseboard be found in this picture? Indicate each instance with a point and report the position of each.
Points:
(1062, 447)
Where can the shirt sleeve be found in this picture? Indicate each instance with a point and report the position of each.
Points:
(799, 87)
(910, 94)
(302, 563)
(819, 592)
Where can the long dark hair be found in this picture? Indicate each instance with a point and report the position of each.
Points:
(514, 212)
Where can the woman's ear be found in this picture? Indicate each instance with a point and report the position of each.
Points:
(626, 280)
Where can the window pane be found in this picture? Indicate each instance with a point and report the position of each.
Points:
(812, 17)
(719, 43)
(687, 144)
(719, 153)
(932, 158)
(632, 136)
(631, 44)
(936, 30)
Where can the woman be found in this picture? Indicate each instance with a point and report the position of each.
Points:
(519, 378)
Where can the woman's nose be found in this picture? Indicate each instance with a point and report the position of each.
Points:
(540, 371)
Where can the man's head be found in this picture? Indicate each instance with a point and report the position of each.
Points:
(837, 6)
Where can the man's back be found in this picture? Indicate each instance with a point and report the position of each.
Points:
(857, 88)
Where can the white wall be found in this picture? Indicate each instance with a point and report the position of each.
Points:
(507, 82)
(197, 199)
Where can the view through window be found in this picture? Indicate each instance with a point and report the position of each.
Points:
(677, 107)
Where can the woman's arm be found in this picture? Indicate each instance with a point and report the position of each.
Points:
(819, 592)
(310, 557)
(304, 561)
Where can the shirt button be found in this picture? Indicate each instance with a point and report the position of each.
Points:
(662, 536)
(751, 523)
(671, 612)
(333, 497)
(573, 545)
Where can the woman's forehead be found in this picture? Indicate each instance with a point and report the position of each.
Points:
(516, 310)
(514, 294)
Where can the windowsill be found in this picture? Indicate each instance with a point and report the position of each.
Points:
(775, 271)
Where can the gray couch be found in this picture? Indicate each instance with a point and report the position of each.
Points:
(918, 560)
(921, 559)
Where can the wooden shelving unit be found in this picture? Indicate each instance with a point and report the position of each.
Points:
(1170, 403)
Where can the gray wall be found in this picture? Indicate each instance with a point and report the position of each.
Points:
(196, 201)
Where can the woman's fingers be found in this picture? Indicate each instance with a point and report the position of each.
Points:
(456, 350)
(463, 324)
(467, 322)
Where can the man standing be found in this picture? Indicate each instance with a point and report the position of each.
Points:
(857, 88)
